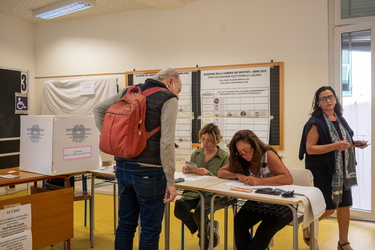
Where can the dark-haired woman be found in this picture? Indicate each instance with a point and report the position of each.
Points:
(327, 142)
(255, 163)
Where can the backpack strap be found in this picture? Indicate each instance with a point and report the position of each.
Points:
(133, 88)
(147, 92)
(152, 132)
(150, 91)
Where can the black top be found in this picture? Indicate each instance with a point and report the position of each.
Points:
(326, 160)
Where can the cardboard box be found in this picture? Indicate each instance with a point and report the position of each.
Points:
(55, 145)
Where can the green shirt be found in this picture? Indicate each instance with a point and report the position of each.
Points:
(213, 165)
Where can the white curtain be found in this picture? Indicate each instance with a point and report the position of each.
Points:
(75, 97)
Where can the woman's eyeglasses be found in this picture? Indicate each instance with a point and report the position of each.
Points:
(325, 98)
(244, 152)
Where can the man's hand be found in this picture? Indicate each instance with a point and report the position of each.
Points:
(170, 194)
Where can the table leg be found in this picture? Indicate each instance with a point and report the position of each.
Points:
(225, 227)
(295, 227)
(114, 209)
(167, 225)
(202, 233)
(312, 235)
(212, 221)
(234, 215)
(92, 226)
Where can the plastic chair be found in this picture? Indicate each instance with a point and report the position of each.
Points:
(302, 177)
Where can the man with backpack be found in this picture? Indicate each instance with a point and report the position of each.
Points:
(146, 182)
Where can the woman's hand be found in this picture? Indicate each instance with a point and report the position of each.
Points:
(360, 144)
(342, 145)
(202, 171)
(186, 170)
(249, 180)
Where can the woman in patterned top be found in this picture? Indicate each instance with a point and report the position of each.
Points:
(255, 163)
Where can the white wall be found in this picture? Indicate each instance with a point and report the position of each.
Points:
(17, 49)
(204, 32)
(17, 52)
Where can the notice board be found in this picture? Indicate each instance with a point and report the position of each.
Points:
(235, 97)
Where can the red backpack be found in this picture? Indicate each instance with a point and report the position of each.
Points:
(124, 130)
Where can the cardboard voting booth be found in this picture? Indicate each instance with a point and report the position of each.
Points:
(54, 145)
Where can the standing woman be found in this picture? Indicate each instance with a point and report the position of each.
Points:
(255, 163)
(327, 141)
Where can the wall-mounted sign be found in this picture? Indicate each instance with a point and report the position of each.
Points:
(21, 103)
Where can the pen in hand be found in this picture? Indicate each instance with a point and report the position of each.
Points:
(337, 137)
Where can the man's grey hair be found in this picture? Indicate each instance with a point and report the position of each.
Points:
(165, 74)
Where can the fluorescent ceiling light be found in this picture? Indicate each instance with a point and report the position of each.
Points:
(62, 8)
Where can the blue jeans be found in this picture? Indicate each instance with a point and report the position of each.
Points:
(141, 191)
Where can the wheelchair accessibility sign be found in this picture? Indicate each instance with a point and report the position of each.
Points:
(21, 105)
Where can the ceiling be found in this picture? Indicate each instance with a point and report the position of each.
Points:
(22, 9)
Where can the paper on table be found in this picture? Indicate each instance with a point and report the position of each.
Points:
(9, 176)
(189, 177)
(239, 184)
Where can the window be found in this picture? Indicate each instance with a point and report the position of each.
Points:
(357, 8)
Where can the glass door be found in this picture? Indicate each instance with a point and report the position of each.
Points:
(354, 77)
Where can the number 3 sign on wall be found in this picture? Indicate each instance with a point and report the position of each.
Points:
(24, 83)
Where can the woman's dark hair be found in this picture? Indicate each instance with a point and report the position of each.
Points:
(316, 110)
(237, 163)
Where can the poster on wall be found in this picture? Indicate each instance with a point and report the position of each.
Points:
(184, 118)
(237, 99)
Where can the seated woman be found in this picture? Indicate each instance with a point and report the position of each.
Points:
(209, 159)
(254, 163)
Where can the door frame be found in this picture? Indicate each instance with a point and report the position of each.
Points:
(336, 61)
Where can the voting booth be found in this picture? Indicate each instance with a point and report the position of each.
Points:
(53, 144)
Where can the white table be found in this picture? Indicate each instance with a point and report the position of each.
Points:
(292, 203)
(199, 185)
(216, 186)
